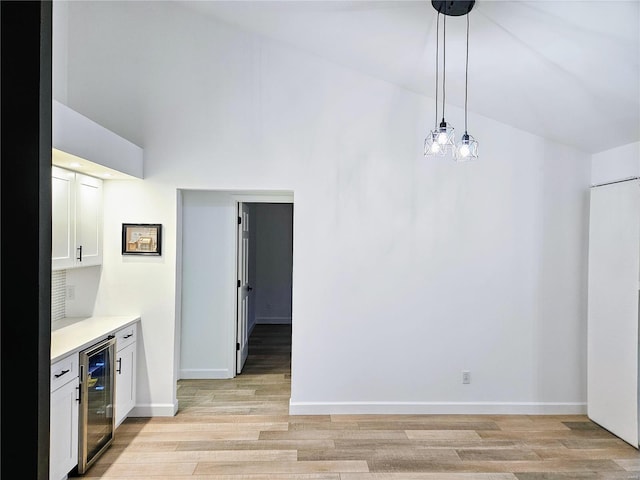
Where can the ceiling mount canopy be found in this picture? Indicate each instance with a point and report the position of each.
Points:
(453, 8)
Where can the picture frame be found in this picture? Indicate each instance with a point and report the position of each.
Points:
(141, 239)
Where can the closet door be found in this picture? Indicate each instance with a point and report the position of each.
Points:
(614, 279)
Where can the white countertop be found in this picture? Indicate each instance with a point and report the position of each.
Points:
(71, 335)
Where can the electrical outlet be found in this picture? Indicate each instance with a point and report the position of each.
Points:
(466, 376)
(71, 292)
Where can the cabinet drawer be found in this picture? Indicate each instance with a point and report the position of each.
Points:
(125, 336)
(64, 371)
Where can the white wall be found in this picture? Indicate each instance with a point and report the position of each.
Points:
(406, 270)
(616, 164)
(144, 286)
(207, 297)
(60, 44)
(85, 282)
(273, 245)
(251, 322)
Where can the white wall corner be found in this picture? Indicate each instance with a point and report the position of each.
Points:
(617, 164)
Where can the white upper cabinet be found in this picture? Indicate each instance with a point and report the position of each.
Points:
(76, 220)
(63, 223)
(88, 220)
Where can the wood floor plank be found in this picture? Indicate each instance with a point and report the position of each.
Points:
(576, 476)
(203, 426)
(207, 456)
(542, 434)
(427, 476)
(406, 444)
(379, 454)
(256, 445)
(426, 418)
(282, 467)
(495, 454)
(426, 425)
(323, 426)
(495, 466)
(528, 423)
(121, 444)
(588, 443)
(456, 435)
(334, 434)
(591, 453)
(631, 465)
(212, 418)
(149, 470)
(252, 434)
(257, 476)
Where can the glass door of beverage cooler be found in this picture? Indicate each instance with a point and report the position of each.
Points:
(96, 402)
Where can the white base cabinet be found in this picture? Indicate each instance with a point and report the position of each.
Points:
(125, 372)
(65, 400)
(63, 426)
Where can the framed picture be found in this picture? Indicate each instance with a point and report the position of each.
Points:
(141, 239)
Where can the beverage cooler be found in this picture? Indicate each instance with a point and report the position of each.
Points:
(96, 422)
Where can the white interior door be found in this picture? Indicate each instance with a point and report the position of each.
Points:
(242, 345)
(614, 270)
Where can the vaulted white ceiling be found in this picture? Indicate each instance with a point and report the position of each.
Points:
(565, 70)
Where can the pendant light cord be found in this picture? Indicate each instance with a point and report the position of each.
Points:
(466, 78)
(437, 50)
(444, 61)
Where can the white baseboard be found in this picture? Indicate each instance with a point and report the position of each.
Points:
(273, 320)
(205, 373)
(155, 410)
(424, 408)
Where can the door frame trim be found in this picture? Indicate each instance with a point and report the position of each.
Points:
(237, 198)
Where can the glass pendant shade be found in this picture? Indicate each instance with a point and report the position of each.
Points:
(431, 146)
(467, 149)
(445, 136)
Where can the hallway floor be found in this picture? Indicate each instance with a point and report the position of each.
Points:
(239, 429)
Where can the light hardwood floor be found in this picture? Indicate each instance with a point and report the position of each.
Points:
(239, 429)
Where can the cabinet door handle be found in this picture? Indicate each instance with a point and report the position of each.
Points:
(79, 393)
(127, 336)
(58, 375)
(79, 258)
(119, 369)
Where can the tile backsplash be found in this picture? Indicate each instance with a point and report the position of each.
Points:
(58, 294)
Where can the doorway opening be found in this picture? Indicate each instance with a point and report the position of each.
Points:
(207, 276)
(264, 287)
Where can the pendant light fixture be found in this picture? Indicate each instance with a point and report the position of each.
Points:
(431, 145)
(467, 149)
(440, 140)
